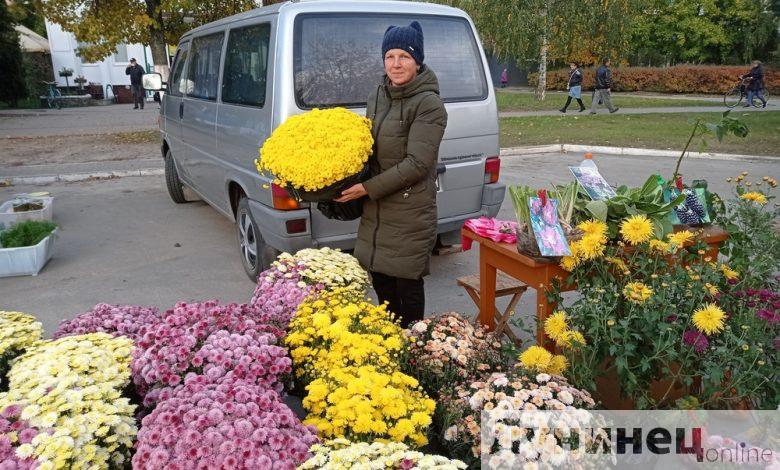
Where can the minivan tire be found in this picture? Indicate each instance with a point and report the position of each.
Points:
(175, 187)
(256, 254)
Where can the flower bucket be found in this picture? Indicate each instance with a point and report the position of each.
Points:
(527, 245)
(28, 260)
(8, 217)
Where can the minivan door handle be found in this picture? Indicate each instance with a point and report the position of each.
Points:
(181, 109)
(441, 168)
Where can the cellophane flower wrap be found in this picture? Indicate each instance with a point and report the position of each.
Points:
(73, 386)
(293, 278)
(341, 454)
(194, 338)
(338, 329)
(18, 331)
(15, 432)
(227, 425)
(447, 350)
(118, 320)
(516, 389)
(364, 404)
(317, 149)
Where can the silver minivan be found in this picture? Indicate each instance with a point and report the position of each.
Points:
(234, 80)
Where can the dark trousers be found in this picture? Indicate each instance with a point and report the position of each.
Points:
(405, 296)
(138, 95)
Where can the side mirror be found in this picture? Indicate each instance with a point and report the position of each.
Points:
(152, 81)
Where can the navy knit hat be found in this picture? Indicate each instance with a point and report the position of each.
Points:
(408, 38)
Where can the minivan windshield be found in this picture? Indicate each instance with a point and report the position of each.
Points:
(338, 57)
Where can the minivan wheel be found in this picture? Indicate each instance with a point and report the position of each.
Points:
(175, 188)
(256, 254)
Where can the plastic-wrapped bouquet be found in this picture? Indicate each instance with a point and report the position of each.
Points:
(228, 425)
(73, 385)
(447, 350)
(118, 320)
(195, 338)
(18, 331)
(361, 403)
(15, 432)
(518, 389)
(341, 454)
(339, 329)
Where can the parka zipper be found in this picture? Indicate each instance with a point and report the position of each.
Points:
(376, 228)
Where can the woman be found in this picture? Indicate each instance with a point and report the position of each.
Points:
(755, 86)
(504, 78)
(398, 228)
(574, 86)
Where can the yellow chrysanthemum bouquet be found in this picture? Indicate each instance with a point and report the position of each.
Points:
(18, 332)
(317, 154)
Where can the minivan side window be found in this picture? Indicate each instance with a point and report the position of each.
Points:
(176, 85)
(246, 65)
(326, 76)
(203, 70)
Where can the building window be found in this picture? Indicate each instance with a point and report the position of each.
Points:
(121, 53)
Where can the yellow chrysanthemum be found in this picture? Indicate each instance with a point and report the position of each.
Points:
(754, 196)
(571, 339)
(555, 325)
(591, 246)
(558, 365)
(728, 273)
(593, 227)
(637, 292)
(711, 289)
(314, 150)
(568, 263)
(617, 262)
(659, 246)
(636, 229)
(709, 319)
(681, 238)
(536, 358)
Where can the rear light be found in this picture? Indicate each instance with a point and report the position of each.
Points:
(282, 200)
(296, 225)
(492, 169)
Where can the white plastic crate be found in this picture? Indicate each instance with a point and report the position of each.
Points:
(28, 260)
(8, 217)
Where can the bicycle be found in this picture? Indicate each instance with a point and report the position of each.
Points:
(734, 97)
(53, 95)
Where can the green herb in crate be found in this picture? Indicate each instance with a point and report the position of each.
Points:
(28, 233)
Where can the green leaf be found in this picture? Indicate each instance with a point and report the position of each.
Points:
(598, 210)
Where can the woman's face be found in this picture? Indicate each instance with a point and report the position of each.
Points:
(400, 67)
(573, 66)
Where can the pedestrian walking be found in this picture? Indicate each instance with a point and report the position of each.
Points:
(504, 78)
(755, 87)
(574, 86)
(398, 228)
(603, 88)
(136, 73)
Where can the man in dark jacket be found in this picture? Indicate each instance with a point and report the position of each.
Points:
(755, 87)
(398, 228)
(603, 88)
(136, 72)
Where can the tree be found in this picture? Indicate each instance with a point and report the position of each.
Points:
(544, 31)
(27, 13)
(104, 24)
(11, 69)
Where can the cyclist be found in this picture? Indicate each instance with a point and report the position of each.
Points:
(755, 85)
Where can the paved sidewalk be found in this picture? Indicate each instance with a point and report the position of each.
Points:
(603, 111)
(78, 168)
(86, 120)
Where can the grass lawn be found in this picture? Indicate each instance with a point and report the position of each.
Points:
(524, 101)
(657, 131)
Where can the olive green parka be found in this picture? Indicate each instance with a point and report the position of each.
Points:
(398, 228)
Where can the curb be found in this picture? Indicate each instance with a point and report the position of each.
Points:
(75, 177)
(631, 151)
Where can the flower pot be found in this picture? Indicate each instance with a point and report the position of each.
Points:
(8, 217)
(608, 389)
(28, 260)
(331, 192)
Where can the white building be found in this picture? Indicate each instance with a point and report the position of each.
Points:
(110, 70)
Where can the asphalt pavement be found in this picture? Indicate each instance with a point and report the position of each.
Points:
(124, 241)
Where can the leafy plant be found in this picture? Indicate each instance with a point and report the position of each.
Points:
(647, 200)
(567, 200)
(28, 233)
(520, 196)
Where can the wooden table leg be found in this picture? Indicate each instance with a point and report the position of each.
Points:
(487, 289)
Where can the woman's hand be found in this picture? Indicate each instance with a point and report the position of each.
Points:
(353, 192)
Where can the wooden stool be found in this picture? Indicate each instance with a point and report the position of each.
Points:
(505, 285)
